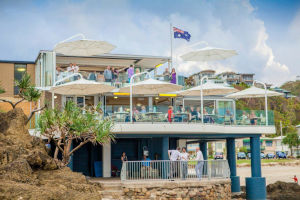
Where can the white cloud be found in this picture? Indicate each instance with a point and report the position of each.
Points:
(226, 24)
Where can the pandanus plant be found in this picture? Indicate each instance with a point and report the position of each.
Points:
(74, 124)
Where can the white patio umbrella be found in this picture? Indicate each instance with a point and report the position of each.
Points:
(255, 92)
(209, 88)
(206, 89)
(81, 87)
(151, 86)
(209, 54)
(83, 47)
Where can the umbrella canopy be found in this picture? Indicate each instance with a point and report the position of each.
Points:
(84, 47)
(253, 92)
(208, 54)
(151, 86)
(81, 87)
(209, 88)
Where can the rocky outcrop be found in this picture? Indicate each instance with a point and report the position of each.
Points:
(282, 191)
(28, 172)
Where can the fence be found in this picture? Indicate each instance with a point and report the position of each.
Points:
(171, 170)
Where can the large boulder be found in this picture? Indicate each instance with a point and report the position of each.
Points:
(28, 172)
(282, 191)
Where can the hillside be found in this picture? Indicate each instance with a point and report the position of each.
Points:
(293, 86)
(285, 110)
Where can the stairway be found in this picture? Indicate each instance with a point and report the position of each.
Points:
(111, 190)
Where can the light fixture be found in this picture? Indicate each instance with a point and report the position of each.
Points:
(21, 69)
(121, 94)
(115, 97)
(138, 104)
(156, 98)
(158, 65)
(167, 95)
(55, 97)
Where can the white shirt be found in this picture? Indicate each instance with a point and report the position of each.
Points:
(175, 154)
(69, 69)
(199, 156)
(76, 69)
(184, 156)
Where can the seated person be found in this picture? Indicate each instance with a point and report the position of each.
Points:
(135, 111)
(146, 168)
(146, 161)
(245, 118)
(194, 114)
(143, 110)
(253, 118)
(228, 113)
(198, 109)
(92, 76)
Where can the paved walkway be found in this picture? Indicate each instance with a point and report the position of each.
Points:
(272, 174)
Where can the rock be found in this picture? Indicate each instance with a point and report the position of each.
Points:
(144, 190)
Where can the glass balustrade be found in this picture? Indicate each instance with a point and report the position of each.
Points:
(162, 114)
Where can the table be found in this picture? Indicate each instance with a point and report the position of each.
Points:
(181, 114)
(152, 114)
(122, 115)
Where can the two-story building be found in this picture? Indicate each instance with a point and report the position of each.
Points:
(151, 128)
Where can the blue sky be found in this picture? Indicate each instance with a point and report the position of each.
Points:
(265, 33)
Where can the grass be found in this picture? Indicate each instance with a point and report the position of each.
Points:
(248, 161)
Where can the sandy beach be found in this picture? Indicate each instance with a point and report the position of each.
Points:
(272, 173)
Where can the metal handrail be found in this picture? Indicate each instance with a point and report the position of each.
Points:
(172, 170)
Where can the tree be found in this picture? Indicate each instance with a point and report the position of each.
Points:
(292, 140)
(243, 149)
(27, 91)
(73, 123)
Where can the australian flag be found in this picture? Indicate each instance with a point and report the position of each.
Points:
(178, 33)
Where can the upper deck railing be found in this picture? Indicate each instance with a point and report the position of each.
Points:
(121, 80)
(159, 114)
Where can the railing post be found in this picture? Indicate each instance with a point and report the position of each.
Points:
(209, 165)
(124, 171)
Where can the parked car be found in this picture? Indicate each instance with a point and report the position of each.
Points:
(219, 155)
(241, 155)
(262, 155)
(270, 156)
(280, 154)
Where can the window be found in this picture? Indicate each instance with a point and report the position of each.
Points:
(269, 143)
(19, 71)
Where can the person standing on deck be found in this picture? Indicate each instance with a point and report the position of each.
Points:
(130, 72)
(200, 163)
(166, 75)
(184, 158)
(173, 76)
(107, 74)
(174, 156)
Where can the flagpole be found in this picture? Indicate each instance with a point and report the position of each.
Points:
(171, 40)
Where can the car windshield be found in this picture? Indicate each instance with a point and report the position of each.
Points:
(219, 153)
(241, 153)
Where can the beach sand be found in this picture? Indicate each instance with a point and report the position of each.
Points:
(271, 173)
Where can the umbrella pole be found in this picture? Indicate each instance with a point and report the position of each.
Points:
(52, 100)
(131, 83)
(266, 100)
(201, 96)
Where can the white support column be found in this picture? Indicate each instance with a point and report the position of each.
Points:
(106, 160)
(150, 103)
